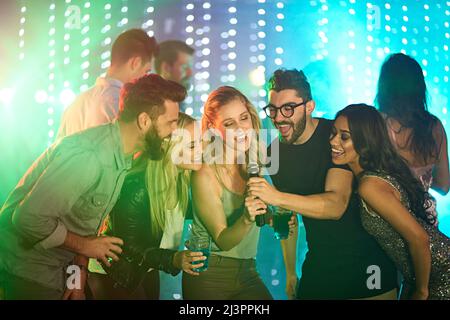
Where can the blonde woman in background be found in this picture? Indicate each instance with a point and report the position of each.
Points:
(169, 181)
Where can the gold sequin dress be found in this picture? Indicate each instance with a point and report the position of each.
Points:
(397, 249)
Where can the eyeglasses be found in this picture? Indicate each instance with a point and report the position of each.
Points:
(287, 110)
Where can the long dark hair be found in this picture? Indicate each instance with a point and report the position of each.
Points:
(371, 141)
(402, 95)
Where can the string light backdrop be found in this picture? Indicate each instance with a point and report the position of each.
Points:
(55, 49)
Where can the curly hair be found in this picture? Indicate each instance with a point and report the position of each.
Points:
(283, 79)
(371, 141)
(148, 94)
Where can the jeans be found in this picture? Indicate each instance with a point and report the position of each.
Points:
(16, 288)
(226, 279)
(103, 288)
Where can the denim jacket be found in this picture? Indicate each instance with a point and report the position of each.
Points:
(72, 186)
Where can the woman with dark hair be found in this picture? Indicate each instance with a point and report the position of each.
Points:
(392, 199)
(418, 136)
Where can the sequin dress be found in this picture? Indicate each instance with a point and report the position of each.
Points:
(397, 249)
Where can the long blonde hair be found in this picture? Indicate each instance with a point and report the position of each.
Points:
(222, 96)
(167, 186)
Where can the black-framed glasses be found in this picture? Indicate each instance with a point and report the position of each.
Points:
(287, 110)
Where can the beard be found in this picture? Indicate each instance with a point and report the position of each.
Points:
(298, 129)
(153, 144)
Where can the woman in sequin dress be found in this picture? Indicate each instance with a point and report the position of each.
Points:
(392, 203)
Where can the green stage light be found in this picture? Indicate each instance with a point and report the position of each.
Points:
(66, 97)
(41, 96)
(7, 96)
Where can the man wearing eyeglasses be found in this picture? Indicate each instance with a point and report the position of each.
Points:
(339, 250)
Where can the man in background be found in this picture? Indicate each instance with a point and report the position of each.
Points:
(174, 62)
(131, 57)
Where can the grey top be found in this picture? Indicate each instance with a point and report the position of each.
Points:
(72, 186)
(233, 207)
(397, 249)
